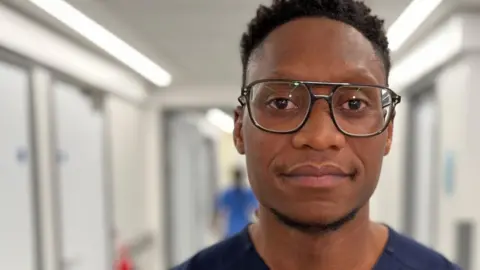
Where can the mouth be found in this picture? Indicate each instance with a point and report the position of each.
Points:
(313, 176)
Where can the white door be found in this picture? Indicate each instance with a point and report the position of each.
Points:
(188, 186)
(424, 178)
(16, 193)
(80, 158)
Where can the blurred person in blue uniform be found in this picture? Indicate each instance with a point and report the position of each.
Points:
(235, 206)
(315, 120)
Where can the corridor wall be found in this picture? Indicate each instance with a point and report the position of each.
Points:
(131, 208)
(53, 56)
(447, 58)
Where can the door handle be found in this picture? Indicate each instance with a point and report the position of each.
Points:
(22, 154)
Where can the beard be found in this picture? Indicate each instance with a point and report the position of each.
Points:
(315, 228)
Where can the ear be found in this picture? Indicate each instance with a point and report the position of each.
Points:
(238, 130)
(388, 144)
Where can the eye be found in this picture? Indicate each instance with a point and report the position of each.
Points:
(354, 105)
(281, 104)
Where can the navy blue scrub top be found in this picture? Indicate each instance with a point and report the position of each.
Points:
(238, 253)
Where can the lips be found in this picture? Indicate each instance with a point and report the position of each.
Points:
(318, 176)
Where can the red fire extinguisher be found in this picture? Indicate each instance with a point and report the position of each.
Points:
(124, 261)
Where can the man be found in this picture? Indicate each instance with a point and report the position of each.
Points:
(315, 121)
(235, 205)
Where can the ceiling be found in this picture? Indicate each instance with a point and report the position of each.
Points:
(196, 41)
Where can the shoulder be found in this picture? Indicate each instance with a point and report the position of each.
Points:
(222, 196)
(220, 256)
(415, 256)
(227, 193)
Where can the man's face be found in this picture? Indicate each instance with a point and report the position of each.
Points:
(313, 49)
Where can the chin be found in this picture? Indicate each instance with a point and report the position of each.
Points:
(315, 218)
(317, 212)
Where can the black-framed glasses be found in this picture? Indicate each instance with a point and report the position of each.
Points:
(284, 106)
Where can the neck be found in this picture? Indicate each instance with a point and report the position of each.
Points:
(356, 245)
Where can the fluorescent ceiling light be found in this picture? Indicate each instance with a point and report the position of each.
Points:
(221, 120)
(101, 37)
(412, 17)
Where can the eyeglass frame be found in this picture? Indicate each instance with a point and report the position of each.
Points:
(244, 100)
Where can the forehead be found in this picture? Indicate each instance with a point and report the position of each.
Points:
(317, 49)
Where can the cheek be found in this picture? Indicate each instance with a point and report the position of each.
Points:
(370, 153)
(261, 148)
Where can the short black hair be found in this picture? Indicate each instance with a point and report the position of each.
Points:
(351, 12)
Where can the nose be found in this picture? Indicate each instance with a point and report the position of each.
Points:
(319, 132)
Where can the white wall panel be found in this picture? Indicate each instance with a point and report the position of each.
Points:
(136, 214)
(124, 135)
